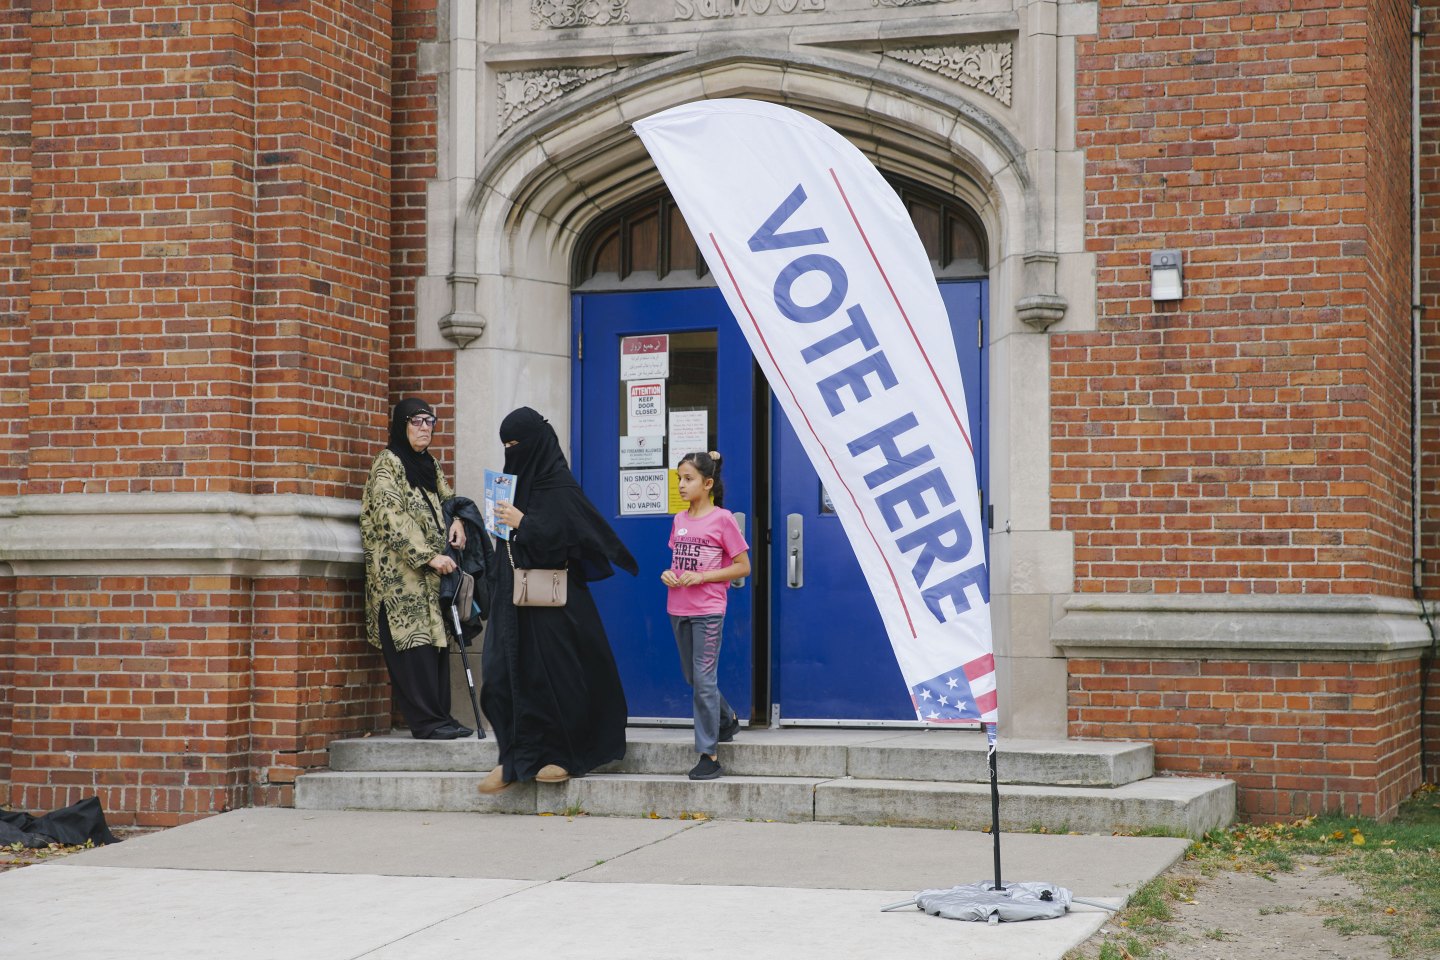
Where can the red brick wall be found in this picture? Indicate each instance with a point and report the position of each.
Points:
(208, 310)
(1430, 345)
(178, 697)
(415, 372)
(7, 674)
(1297, 738)
(14, 303)
(1432, 724)
(1251, 438)
(315, 679)
(322, 243)
(14, 242)
(135, 689)
(140, 223)
(1387, 209)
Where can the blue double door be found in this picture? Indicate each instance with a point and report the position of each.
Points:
(803, 640)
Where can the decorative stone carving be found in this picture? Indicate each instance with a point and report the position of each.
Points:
(985, 66)
(725, 9)
(525, 91)
(904, 3)
(463, 323)
(578, 13)
(1041, 305)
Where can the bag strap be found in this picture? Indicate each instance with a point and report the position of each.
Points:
(510, 552)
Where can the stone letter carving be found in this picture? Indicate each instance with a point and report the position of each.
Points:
(523, 92)
(578, 13)
(904, 3)
(984, 66)
(717, 9)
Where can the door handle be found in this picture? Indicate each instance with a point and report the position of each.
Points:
(795, 550)
(739, 582)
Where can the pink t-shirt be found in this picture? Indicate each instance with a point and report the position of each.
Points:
(711, 542)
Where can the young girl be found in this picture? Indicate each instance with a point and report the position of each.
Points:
(708, 552)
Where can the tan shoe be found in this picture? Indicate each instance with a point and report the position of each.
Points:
(494, 781)
(550, 773)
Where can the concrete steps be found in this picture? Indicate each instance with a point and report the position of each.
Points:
(933, 778)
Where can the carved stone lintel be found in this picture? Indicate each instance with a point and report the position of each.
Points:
(1041, 305)
(988, 67)
(463, 324)
(523, 92)
(578, 13)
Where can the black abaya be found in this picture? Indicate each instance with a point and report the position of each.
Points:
(551, 688)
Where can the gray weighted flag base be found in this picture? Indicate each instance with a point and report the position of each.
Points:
(981, 901)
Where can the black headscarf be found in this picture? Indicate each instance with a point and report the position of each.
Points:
(419, 467)
(543, 482)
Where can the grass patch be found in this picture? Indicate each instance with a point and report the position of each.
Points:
(1283, 908)
(1396, 865)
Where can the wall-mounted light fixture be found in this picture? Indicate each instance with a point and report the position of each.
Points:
(1165, 279)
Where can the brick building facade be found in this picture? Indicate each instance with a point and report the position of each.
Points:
(231, 234)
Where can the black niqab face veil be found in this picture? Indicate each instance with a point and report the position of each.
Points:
(419, 466)
(543, 482)
(535, 458)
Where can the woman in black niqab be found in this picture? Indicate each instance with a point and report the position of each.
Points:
(551, 688)
(533, 455)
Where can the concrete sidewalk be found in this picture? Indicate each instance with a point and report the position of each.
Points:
(275, 884)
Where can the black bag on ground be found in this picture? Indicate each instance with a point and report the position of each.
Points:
(72, 826)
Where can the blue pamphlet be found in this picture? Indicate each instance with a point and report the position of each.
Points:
(498, 487)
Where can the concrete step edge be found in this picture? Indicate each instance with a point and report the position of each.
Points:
(1060, 763)
(1151, 788)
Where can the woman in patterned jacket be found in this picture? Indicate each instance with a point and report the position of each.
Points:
(401, 530)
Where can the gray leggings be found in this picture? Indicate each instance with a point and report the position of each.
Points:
(698, 640)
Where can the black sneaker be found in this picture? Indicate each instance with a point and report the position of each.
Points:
(451, 731)
(706, 769)
(728, 730)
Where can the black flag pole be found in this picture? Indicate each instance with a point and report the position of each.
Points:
(994, 802)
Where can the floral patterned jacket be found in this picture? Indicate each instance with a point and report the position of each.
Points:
(401, 535)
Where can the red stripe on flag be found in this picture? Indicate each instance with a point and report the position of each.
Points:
(978, 667)
(985, 702)
(899, 306)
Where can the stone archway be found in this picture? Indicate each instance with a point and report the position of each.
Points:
(505, 297)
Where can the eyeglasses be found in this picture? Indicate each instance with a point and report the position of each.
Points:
(422, 421)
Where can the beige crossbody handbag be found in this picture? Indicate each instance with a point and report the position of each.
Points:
(537, 587)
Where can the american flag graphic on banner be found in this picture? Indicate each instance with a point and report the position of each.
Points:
(958, 695)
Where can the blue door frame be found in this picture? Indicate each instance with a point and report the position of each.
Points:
(829, 659)
(633, 609)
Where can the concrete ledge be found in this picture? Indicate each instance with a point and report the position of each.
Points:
(1060, 762)
(1250, 627)
(748, 756)
(456, 792)
(1179, 805)
(181, 533)
(944, 755)
(786, 799)
(404, 753)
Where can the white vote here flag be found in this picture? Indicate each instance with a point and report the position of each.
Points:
(823, 270)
